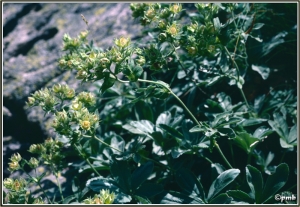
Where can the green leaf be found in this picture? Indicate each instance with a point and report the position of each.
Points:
(68, 199)
(227, 132)
(190, 138)
(177, 151)
(258, 103)
(198, 128)
(255, 182)
(98, 183)
(214, 106)
(172, 197)
(143, 127)
(252, 121)
(149, 190)
(142, 200)
(222, 181)
(133, 72)
(143, 111)
(240, 82)
(263, 71)
(245, 141)
(160, 93)
(141, 174)
(108, 82)
(262, 131)
(189, 183)
(164, 118)
(216, 170)
(115, 141)
(221, 199)
(292, 138)
(279, 125)
(217, 24)
(121, 174)
(275, 182)
(172, 131)
(240, 197)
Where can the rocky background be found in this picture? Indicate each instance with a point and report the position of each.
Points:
(32, 42)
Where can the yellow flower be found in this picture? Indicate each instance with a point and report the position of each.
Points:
(176, 8)
(150, 13)
(122, 42)
(13, 166)
(86, 125)
(173, 29)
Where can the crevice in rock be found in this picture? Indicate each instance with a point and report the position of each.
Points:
(19, 127)
(46, 35)
(12, 23)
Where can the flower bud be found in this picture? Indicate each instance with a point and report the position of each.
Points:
(76, 106)
(16, 157)
(107, 197)
(176, 8)
(57, 88)
(8, 183)
(48, 142)
(75, 42)
(83, 35)
(165, 13)
(31, 101)
(33, 163)
(37, 148)
(18, 184)
(173, 29)
(162, 37)
(141, 60)
(122, 42)
(38, 201)
(70, 93)
(192, 50)
(150, 13)
(13, 166)
(81, 74)
(49, 102)
(104, 62)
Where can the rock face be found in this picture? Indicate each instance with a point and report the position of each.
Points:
(32, 42)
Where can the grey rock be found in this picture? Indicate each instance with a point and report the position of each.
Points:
(32, 45)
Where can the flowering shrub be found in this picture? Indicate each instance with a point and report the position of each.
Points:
(171, 122)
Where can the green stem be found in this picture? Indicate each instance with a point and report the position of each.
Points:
(86, 160)
(158, 163)
(232, 154)
(184, 106)
(238, 79)
(291, 187)
(173, 94)
(244, 97)
(39, 184)
(106, 144)
(221, 153)
(59, 186)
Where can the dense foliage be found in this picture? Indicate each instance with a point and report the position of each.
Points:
(201, 110)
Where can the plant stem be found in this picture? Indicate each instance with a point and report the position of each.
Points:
(158, 163)
(221, 153)
(232, 154)
(173, 94)
(106, 143)
(39, 184)
(184, 106)
(59, 186)
(86, 160)
(238, 73)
